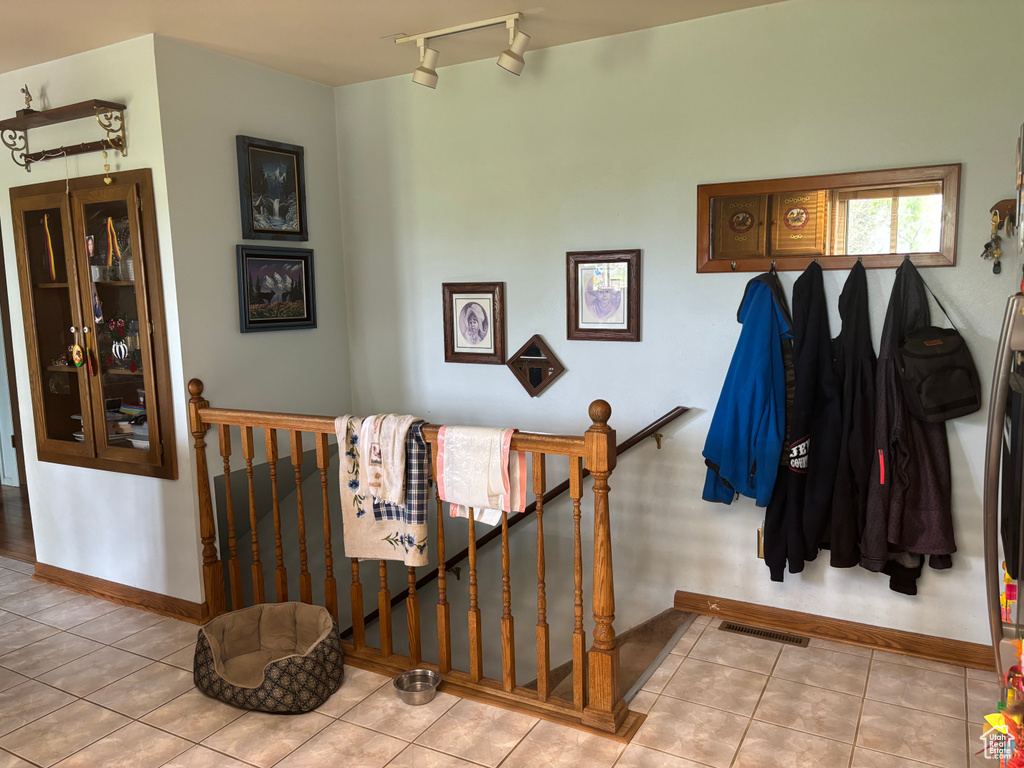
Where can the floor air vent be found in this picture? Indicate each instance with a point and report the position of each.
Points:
(765, 634)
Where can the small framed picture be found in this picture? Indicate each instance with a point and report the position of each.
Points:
(474, 323)
(276, 289)
(271, 190)
(603, 295)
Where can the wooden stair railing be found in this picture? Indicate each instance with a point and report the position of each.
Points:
(531, 508)
(596, 701)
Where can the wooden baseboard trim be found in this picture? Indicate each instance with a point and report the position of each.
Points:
(956, 652)
(486, 691)
(195, 613)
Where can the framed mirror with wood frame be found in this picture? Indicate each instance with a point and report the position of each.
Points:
(876, 217)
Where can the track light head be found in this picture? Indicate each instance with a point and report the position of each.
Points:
(512, 59)
(426, 72)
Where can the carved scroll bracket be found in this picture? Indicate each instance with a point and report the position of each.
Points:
(112, 121)
(17, 142)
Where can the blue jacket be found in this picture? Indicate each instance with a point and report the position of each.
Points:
(745, 440)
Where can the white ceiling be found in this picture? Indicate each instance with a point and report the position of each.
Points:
(335, 42)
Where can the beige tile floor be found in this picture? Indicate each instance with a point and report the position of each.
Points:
(86, 683)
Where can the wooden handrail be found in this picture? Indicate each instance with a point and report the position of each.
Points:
(563, 445)
(531, 508)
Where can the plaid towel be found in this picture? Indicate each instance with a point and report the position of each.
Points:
(365, 537)
(417, 479)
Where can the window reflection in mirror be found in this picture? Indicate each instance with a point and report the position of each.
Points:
(875, 216)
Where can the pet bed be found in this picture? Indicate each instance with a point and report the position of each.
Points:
(278, 657)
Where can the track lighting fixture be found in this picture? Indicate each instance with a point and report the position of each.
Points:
(511, 59)
(426, 72)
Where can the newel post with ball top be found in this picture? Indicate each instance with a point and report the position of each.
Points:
(605, 708)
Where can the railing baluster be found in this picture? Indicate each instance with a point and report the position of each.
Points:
(444, 625)
(412, 612)
(280, 572)
(543, 640)
(508, 634)
(476, 651)
(384, 606)
(323, 459)
(605, 708)
(356, 599)
(579, 635)
(257, 567)
(213, 569)
(234, 566)
(305, 580)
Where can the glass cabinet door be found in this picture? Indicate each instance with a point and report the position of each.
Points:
(92, 307)
(63, 420)
(112, 282)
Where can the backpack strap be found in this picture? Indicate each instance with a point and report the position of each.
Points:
(940, 305)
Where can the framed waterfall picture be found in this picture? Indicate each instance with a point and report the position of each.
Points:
(603, 295)
(271, 190)
(474, 323)
(276, 290)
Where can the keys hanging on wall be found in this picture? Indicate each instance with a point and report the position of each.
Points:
(993, 248)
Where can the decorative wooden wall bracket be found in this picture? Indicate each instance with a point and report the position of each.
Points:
(109, 115)
(1007, 211)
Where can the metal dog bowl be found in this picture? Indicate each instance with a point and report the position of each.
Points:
(417, 686)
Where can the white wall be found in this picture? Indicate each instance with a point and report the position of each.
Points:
(132, 530)
(206, 99)
(601, 145)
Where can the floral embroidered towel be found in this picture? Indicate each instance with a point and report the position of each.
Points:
(365, 537)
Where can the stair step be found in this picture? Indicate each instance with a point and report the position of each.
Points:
(641, 649)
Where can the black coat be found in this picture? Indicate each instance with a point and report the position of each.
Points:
(798, 516)
(855, 369)
(910, 490)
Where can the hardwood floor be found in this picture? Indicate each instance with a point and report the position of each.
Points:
(16, 525)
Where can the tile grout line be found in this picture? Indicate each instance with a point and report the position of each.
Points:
(860, 714)
(506, 757)
(750, 720)
(967, 717)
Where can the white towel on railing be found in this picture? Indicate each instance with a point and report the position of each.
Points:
(393, 431)
(477, 470)
(365, 537)
(382, 440)
(371, 470)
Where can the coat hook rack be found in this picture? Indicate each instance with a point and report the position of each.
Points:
(108, 114)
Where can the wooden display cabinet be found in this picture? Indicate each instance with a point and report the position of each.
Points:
(89, 269)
